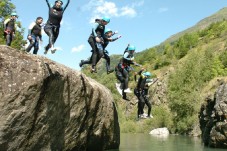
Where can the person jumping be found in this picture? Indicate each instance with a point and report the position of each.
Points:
(52, 26)
(96, 40)
(123, 68)
(141, 92)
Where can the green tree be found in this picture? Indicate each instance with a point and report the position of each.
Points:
(6, 8)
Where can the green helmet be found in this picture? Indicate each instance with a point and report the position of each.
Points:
(131, 48)
(106, 19)
(107, 30)
(147, 74)
(59, 1)
(13, 14)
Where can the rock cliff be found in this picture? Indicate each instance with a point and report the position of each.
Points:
(213, 119)
(47, 106)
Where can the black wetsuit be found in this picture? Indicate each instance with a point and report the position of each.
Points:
(141, 91)
(97, 31)
(122, 70)
(53, 23)
(36, 35)
(9, 31)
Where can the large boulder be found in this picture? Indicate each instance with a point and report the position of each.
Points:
(47, 106)
(213, 119)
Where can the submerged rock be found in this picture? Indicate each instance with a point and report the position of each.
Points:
(160, 132)
(47, 106)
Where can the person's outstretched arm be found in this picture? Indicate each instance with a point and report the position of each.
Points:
(48, 3)
(64, 8)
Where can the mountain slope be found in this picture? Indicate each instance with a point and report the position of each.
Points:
(219, 16)
(184, 67)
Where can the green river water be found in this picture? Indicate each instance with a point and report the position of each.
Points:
(146, 142)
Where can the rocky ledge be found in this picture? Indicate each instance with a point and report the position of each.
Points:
(48, 106)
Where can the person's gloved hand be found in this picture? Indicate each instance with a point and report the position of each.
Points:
(119, 36)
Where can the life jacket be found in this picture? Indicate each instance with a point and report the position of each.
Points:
(10, 26)
(126, 62)
(100, 29)
(141, 82)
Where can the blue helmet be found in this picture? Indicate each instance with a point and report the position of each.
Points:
(131, 48)
(106, 19)
(147, 74)
(107, 30)
(13, 14)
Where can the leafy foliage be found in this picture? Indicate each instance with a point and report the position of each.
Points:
(6, 7)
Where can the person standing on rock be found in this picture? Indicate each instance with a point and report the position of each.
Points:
(96, 42)
(35, 35)
(10, 28)
(123, 68)
(52, 26)
(141, 92)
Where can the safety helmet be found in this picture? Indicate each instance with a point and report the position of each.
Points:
(59, 1)
(13, 14)
(147, 74)
(131, 48)
(106, 19)
(107, 30)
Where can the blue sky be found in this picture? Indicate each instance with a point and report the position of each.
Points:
(143, 23)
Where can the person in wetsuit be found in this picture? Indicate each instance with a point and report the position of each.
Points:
(141, 92)
(96, 41)
(123, 68)
(35, 35)
(104, 53)
(52, 26)
(108, 38)
(10, 28)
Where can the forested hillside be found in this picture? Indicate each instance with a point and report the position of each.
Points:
(195, 60)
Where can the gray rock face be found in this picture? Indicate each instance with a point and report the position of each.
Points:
(45, 106)
(213, 119)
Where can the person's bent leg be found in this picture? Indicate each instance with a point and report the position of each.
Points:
(49, 31)
(107, 58)
(142, 103)
(32, 44)
(8, 39)
(125, 74)
(92, 43)
(147, 102)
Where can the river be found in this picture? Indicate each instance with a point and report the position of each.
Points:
(146, 142)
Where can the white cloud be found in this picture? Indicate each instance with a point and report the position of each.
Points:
(58, 48)
(108, 8)
(78, 48)
(67, 25)
(163, 9)
(127, 11)
(137, 4)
